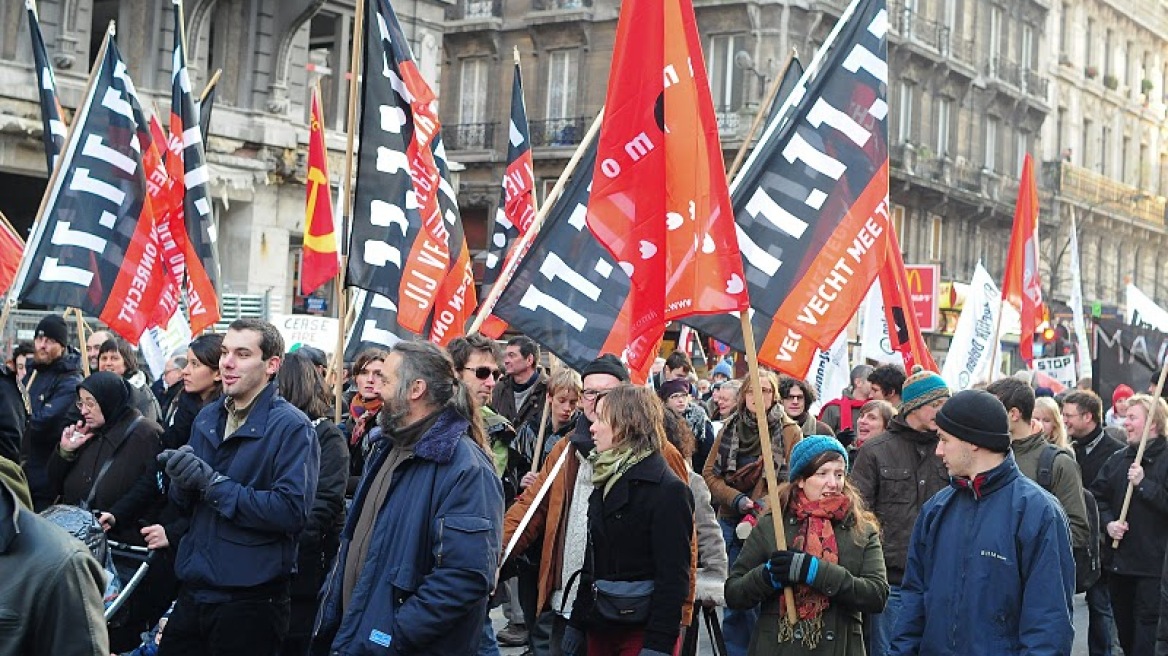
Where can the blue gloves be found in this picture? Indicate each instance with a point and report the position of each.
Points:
(187, 470)
(573, 642)
(791, 567)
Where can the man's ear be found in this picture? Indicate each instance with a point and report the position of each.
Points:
(417, 389)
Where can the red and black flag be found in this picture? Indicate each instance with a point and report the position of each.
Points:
(569, 293)
(811, 202)
(187, 165)
(51, 114)
(94, 246)
(375, 325)
(517, 203)
(406, 242)
(904, 331)
(11, 252)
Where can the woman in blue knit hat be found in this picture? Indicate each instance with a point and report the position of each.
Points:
(833, 561)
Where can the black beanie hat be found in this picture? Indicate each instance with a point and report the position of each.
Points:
(606, 364)
(977, 417)
(671, 387)
(53, 327)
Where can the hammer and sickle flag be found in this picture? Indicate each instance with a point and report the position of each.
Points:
(318, 262)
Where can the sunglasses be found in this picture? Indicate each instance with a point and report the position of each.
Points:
(483, 373)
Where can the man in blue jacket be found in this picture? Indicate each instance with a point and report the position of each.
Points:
(990, 569)
(247, 479)
(420, 549)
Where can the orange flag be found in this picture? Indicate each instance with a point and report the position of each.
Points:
(659, 199)
(319, 262)
(1022, 285)
(11, 250)
(904, 332)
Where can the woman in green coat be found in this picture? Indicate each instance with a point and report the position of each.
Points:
(834, 561)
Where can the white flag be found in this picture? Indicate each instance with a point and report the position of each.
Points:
(830, 373)
(1080, 323)
(1143, 311)
(159, 344)
(971, 355)
(874, 342)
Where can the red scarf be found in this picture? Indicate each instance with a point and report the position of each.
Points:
(363, 413)
(816, 537)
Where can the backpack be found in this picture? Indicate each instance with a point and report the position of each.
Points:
(1087, 559)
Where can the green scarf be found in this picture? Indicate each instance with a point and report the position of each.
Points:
(609, 466)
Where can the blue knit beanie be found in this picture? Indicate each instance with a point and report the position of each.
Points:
(723, 368)
(811, 447)
(920, 389)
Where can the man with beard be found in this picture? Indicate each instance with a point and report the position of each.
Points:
(51, 392)
(247, 480)
(420, 548)
(93, 346)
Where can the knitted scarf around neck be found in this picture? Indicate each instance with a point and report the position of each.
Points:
(608, 466)
(815, 537)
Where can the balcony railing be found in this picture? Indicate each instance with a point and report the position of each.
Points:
(555, 132)
(469, 136)
(475, 10)
(729, 121)
(553, 5)
(1100, 192)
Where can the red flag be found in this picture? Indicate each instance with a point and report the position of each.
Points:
(1022, 286)
(11, 250)
(659, 200)
(903, 330)
(319, 261)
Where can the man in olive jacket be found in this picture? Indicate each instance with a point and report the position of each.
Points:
(50, 593)
(896, 472)
(1028, 444)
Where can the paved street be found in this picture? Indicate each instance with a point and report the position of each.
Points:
(1080, 648)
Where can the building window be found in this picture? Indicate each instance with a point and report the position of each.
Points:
(904, 128)
(472, 91)
(1085, 150)
(1059, 126)
(1026, 47)
(1065, 30)
(1104, 147)
(1124, 166)
(943, 108)
(991, 144)
(1089, 49)
(1108, 55)
(898, 223)
(936, 225)
(1023, 147)
(562, 75)
(725, 78)
(997, 43)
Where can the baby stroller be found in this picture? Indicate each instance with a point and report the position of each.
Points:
(125, 565)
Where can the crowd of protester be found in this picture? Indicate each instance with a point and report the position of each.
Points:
(598, 516)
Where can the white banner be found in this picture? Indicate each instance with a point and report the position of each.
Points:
(830, 373)
(158, 344)
(971, 355)
(1079, 322)
(1142, 311)
(874, 342)
(307, 330)
(1061, 368)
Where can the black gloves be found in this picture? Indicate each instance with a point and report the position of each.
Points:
(187, 470)
(791, 567)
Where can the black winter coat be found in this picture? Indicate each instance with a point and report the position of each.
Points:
(12, 415)
(1141, 551)
(640, 531)
(503, 400)
(180, 420)
(134, 458)
(1091, 463)
(326, 518)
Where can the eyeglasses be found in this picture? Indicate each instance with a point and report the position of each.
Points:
(794, 397)
(86, 405)
(593, 394)
(1072, 415)
(483, 373)
(678, 395)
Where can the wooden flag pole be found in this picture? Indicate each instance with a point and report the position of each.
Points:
(347, 184)
(768, 458)
(9, 303)
(215, 80)
(81, 337)
(488, 304)
(760, 116)
(534, 196)
(547, 408)
(1127, 497)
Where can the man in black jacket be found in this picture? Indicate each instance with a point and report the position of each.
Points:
(519, 395)
(12, 415)
(52, 393)
(1094, 444)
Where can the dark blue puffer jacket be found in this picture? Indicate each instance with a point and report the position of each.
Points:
(990, 571)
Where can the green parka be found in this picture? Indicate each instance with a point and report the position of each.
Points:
(857, 584)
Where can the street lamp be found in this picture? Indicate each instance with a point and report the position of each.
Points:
(745, 62)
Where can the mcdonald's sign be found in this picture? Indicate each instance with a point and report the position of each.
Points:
(923, 287)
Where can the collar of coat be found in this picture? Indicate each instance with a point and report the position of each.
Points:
(651, 469)
(9, 517)
(439, 443)
(988, 482)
